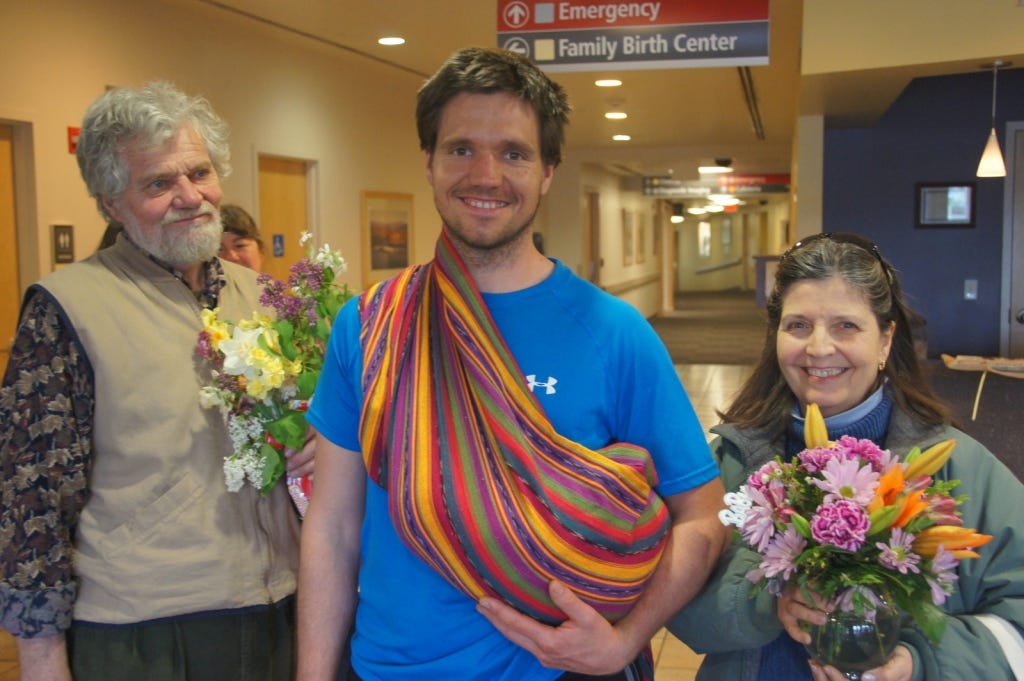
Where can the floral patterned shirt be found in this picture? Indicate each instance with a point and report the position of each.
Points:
(47, 402)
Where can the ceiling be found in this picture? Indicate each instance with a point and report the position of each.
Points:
(678, 118)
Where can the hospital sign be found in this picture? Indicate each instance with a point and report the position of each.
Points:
(580, 35)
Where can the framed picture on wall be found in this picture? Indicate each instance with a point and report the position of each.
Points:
(386, 234)
(628, 227)
(945, 205)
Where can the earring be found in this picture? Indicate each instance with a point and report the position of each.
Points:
(881, 365)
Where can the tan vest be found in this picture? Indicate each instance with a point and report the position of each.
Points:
(160, 535)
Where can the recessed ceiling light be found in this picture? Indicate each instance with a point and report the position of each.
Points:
(608, 82)
(724, 199)
(391, 40)
(695, 210)
(713, 170)
(621, 138)
(714, 208)
(616, 115)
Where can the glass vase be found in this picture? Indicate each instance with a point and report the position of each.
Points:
(855, 642)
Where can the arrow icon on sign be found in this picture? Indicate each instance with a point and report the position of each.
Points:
(516, 14)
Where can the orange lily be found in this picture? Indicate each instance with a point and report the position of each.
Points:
(889, 487)
(911, 504)
(956, 540)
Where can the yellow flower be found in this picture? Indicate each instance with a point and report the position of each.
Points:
(218, 330)
(815, 433)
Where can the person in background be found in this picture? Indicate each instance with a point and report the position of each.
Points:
(455, 392)
(124, 556)
(840, 335)
(241, 241)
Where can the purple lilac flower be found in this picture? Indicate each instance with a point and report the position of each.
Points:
(306, 274)
(840, 523)
(847, 479)
(943, 574)
(779, 558)
(897, 554)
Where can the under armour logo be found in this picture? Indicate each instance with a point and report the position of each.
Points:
(549, 385)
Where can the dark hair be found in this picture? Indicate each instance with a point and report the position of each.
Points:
(110, 235)
(765, 400)
(489, 70)
(237, 221)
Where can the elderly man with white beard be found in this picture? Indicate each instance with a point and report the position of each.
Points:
(123, 555)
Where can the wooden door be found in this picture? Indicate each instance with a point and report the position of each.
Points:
(10, 290)
(283, 212)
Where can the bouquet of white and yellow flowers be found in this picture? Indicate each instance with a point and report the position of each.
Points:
(265, 368)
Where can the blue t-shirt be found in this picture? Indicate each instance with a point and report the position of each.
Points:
(601, 374)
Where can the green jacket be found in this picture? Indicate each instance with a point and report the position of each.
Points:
(729, 626)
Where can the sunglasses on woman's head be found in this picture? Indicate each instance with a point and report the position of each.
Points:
(844, 238)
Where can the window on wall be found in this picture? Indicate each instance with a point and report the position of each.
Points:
(704, 239)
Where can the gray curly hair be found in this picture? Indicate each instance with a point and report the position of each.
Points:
(151, 114)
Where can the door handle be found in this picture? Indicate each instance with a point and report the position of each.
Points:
(1020, 316)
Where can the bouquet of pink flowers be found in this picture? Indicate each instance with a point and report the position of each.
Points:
(847, 521)
(265, 369)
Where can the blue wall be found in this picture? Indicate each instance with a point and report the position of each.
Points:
(934, 132)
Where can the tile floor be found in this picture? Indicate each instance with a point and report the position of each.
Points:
(710, 386)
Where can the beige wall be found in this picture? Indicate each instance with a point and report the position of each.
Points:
(281, 95)
(840, 35)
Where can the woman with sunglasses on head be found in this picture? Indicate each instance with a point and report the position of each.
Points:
(839, 336)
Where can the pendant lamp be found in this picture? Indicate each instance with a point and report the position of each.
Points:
(991, 163)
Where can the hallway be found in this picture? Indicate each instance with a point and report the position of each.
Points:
(713, 327)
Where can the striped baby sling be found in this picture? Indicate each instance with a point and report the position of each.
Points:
(480, 486)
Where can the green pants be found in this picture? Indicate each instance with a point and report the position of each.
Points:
(243, 645)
